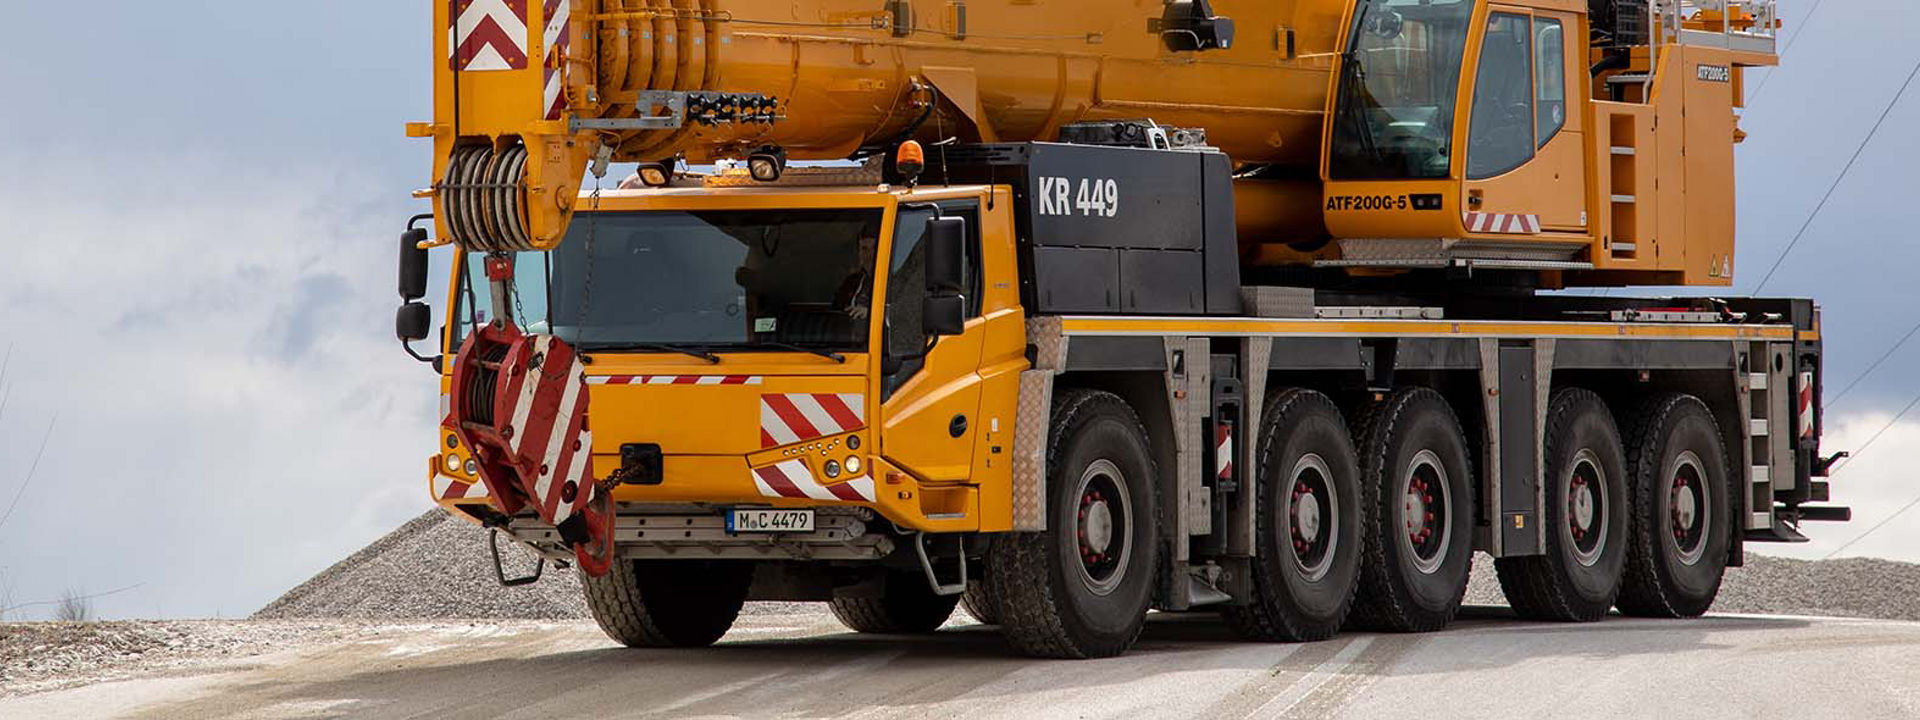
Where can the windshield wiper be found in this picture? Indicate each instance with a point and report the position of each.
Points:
(828, 354)
(711, 358)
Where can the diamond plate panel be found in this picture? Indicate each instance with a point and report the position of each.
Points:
(1031, 420)
(1049, 342)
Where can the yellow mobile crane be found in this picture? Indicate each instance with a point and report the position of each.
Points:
(1121, 305)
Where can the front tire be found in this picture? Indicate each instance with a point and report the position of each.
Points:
(906, 605)
(668, 603)
(1081, 588)
(1578, 577)
(1417, 508)
(978, 603)
(1307, 562)
(1682, 519)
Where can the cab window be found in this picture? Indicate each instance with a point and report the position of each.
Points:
(907, 283)
(1501, 137)
(1549, 79)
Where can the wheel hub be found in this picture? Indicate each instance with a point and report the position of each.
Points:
(1416, 506)
(1306, 514)
(1099, 525)
(1580, 506)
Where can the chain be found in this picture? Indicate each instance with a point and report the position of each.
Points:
(586, 287)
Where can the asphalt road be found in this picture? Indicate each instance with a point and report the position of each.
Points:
(1185, 666)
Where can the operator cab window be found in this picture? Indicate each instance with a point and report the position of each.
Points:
(1549, 79)
(1398, 86)
(1502, 135)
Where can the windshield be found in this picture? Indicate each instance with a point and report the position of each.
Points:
(1399, 82)
(709, 280)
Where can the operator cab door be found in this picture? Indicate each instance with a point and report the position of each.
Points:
(1525, 152)
(929, 405)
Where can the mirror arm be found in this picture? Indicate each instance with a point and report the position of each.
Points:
(436, 360)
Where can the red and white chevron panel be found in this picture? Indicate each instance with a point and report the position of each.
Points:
(557, 433)
(1805, 402)
(1502, 223)
(1223, 451)
(488, 35)
(792, 479)
(446, 488)
(556, 39)
(675, 380)
(787, 418)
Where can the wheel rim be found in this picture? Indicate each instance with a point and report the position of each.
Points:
(1103, 526)
(1426, 502)
(1313, 516)
(1689, 510)
(1587, 509)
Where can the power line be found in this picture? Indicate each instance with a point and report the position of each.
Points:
(1806, 22)
(1856, 454)
(1875, 366)
(1836, 181)
(114, 591)
(30, 470)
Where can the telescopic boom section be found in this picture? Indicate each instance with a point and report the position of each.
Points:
(529, 95)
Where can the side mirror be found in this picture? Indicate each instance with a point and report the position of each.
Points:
(946, 239)
(944, 314)
(413, 322)
(413, 264)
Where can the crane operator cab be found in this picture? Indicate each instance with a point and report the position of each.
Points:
(1465, 133)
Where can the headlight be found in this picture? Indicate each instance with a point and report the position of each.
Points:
(473, 468)
(853, 464)
(833, 469)
(453, 462)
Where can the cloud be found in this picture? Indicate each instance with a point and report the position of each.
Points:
(215, 339)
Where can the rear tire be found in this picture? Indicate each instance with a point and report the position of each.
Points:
(907, 605)
(1307, 561)
(1417, 509)
(1081, 588)
(979, 603)
(1682, 519)
(668, 603)
(1578, 577)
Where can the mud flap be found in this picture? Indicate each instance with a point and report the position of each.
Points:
(519, 401)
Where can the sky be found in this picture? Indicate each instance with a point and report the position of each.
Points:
(199, 207)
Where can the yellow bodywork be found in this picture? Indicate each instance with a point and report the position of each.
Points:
(924, 477)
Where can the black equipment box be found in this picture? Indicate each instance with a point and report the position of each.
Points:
(1113, 230)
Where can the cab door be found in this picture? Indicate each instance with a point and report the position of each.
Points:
(929, 404)
(1526, 157)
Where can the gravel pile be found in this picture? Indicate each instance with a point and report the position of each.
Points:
(41, 656)
(435, 566)
(1851, 587)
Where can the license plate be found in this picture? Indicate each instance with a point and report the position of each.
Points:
(770, 521)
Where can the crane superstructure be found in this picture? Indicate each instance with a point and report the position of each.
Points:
(1118, 305)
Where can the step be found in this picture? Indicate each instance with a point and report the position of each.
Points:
(1618, 150)
(1629, 78)
(1762, 475)
(1624, 199)
(1625, 248)
(1756, 381)
(1757, 427)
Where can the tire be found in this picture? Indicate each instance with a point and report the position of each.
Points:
(1578, 577)
(1052, 599)
(1674, 451)
(1413, 458)
(979, 603)
(668, 603)
(1306, 562)
(906, 605)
